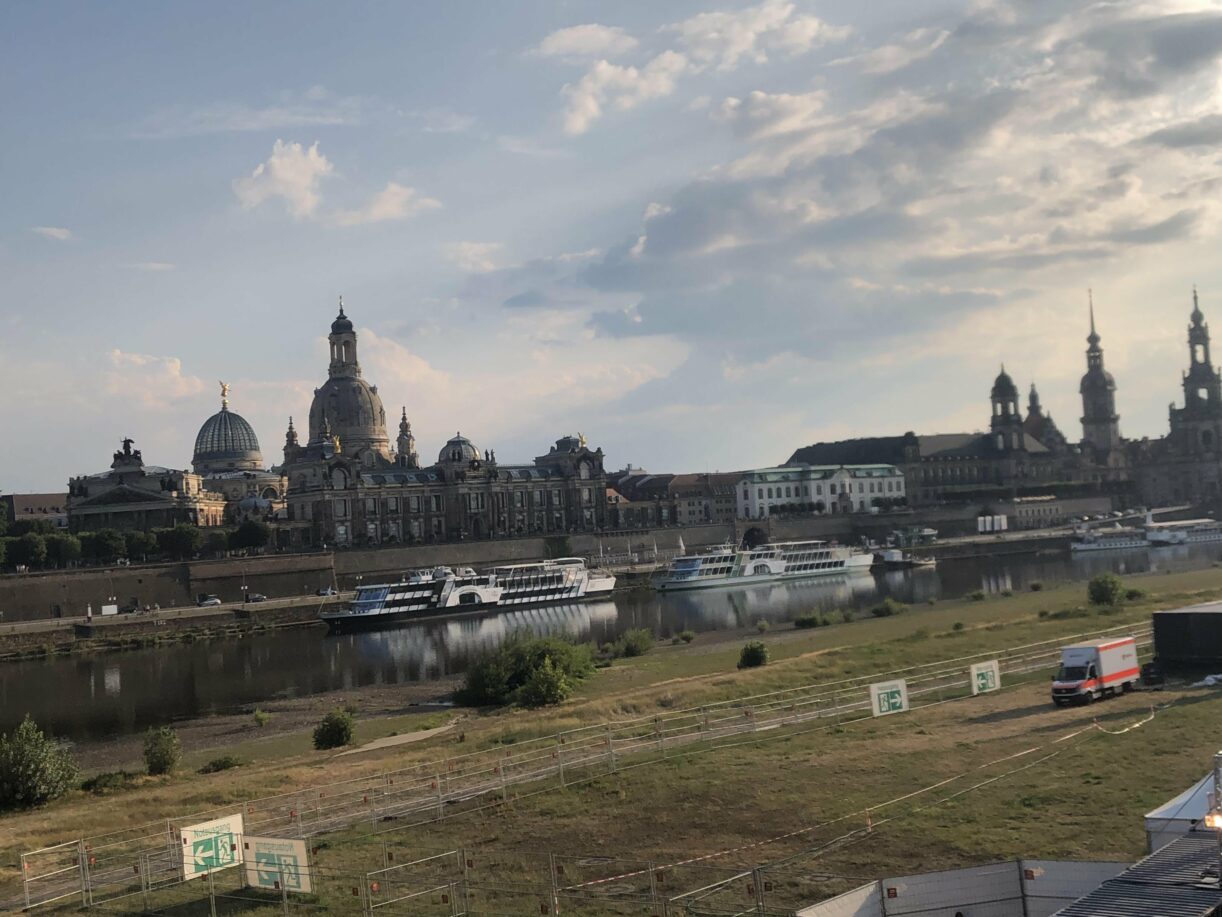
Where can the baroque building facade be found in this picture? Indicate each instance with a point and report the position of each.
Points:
(346, 486)
(134, 496)
(228, 459)
(1185, 466)
(1018, 457)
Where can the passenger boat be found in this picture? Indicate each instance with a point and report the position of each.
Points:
(898, 559)
(1115, 539)
(730, 566)
(1186, 531)
(442, 591)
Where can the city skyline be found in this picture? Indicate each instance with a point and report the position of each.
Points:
(699, 234)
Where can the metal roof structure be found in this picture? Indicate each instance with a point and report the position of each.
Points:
(1180, 880)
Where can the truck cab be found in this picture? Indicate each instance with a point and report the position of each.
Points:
(1098, 668)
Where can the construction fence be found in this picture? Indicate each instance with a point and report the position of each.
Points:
(100, 868)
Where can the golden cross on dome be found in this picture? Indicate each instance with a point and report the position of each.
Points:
(224, 394)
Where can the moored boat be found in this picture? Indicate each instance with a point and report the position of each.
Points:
(442, 591)
(730, 566)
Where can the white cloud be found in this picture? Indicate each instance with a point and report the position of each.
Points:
(716, 39)
(154, 383)
(394, 202)
(619, 87)
(761, 114)
(586, 42)
(292, 173)
(442, 121)
(474, 257)
(916, 45)
(725, 39)
(58, 233)
(150, 266)
(315, 106)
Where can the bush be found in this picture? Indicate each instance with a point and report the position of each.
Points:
(888, 607)
(753, 654)
(808, 621)
(687, 636)
(223, 763)
(957, 626)
(335, 730)
(261, 717)
(109, 782)
(762, 626)
(1132, 595)
(33, 768)
(162, 750)
(977, 596)
(1036, 586)
(636, 642)
(497, 677)
(1105, 589)
(546, 685)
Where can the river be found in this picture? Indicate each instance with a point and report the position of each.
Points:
(108, 694)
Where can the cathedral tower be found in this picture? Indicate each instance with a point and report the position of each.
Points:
(1196, 428)
(351, 406)
(1006, 424)
(1100, 423)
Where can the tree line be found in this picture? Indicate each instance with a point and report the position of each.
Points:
(37, 545)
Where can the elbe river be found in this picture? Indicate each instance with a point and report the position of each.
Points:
(107, 694)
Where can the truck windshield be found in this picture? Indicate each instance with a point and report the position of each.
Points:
(1072, 673)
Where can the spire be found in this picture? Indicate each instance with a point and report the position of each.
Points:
(1197, 315)
(1093, 338)
(290, 436)
(404, 426)
(341, 306)
(1033, 400)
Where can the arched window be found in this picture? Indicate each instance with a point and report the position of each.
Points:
(339, 479)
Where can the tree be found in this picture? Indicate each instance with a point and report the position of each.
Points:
(139, 544)
(546, 685)
(217, 542)
(251, 534)
(335, 730)
(37, 525)
(181, 542)
(1105, 589)
(29, 550)
(104, 546)
(162, 750)
(3, 549)
(33, 768)
(63, 549)
(500, 677)
(753, 654)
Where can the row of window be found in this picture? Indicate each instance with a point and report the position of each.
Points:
(874, 487)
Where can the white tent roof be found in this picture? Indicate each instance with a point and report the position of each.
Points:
(1190, 806)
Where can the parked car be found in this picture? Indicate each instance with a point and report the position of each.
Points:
(327, 590)
(256, 597)
(205, 601)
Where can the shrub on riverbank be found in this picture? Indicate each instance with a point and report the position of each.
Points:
(33, 768)
(753, 655)
(888, 607)
(335, 730)
(501, 676)
(162, 750)
(632, 643)
(1105, 589)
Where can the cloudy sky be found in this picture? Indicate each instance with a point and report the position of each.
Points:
(701, 233)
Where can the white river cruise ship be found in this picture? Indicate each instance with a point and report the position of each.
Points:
(442, 591)
(730, 566)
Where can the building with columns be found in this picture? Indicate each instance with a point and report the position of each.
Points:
(228, 459)
(347, 487)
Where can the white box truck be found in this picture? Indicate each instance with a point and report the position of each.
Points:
(1097, 668)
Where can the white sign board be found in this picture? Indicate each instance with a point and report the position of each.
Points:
(211, 845)
(986, 677)
(110, 609)
(270, 860)
(888, 697)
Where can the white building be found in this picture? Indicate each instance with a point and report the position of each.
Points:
(819, 489)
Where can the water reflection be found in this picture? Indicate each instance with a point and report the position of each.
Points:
(93, 696)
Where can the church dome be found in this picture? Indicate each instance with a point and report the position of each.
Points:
(342, 323)
(1004, 387)
(226, 442)
(354, 411)
(458, 449)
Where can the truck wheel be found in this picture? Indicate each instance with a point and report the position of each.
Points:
(1057, 702)
(1088, 697)
(1126, 687)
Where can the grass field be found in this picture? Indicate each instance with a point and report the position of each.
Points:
(1085, 801)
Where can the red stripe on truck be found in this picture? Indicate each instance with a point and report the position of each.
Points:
(1121, 676)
